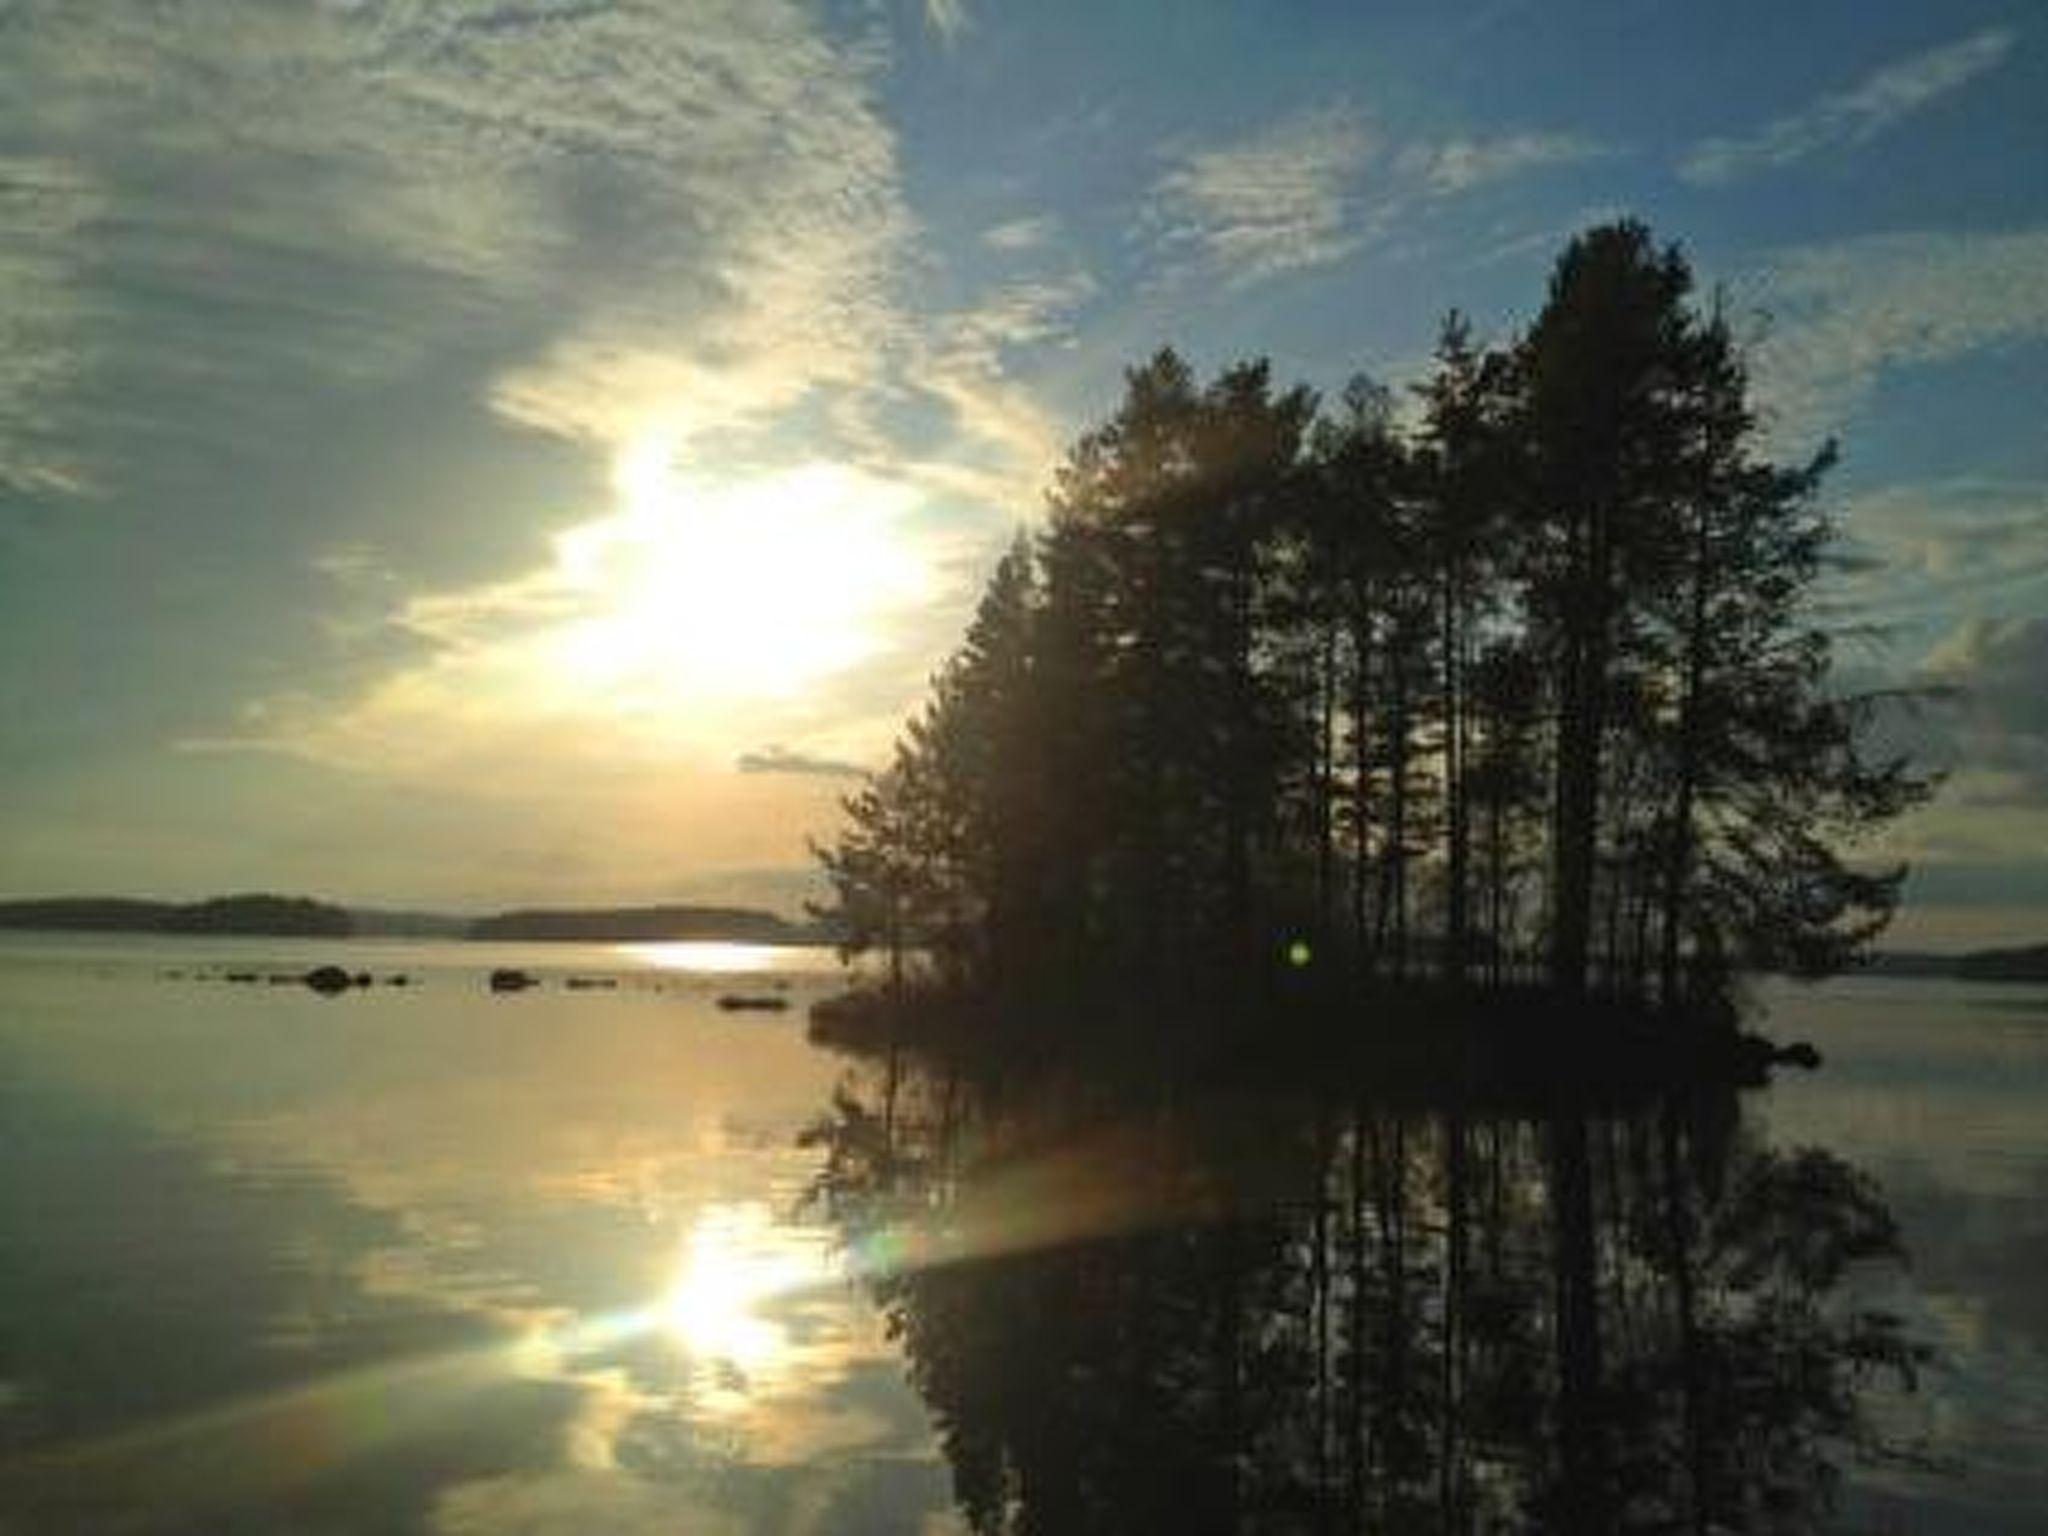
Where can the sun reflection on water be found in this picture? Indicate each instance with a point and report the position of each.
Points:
(708, 956)
(737, 1263)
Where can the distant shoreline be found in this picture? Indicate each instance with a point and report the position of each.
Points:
(2022, 963)
(300, 917)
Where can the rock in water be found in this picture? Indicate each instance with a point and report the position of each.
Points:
(1800, 1053)
(509, 980)
(328, 980)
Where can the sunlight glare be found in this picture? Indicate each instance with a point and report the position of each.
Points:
(755, 588)
(735, 1261)
(706, 957)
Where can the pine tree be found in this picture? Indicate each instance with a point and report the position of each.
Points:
(1541, 674)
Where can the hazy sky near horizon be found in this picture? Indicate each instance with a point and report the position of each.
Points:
(486, 452)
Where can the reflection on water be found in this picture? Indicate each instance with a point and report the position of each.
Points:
(737, 1263)
(709, 957)
(1154, 1309)
(427, 1259)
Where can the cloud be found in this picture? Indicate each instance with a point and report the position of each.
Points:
(1025, 234)
(435, 248)
(1842, 314)
(45, 204)
(780, 759)
(947, 18)
(1999, 667)
(699, 615)
(1547, 241)
(703, 221)
(1944, 596)
(1282, 199)
(1314, 188)
(1008, 441)
(1844, 119)
(1918, 552)
(1458, 165)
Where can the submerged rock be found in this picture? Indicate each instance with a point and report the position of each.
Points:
(508, 979)
(734, 1002)
(328, 980)
(1800, 1053)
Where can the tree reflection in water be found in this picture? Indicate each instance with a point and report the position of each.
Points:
(1165, 1309)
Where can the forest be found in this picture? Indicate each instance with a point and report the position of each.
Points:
(1516, 687)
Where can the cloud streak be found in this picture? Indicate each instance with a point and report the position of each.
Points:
(1313, 189)
(1923, 551)
(582, 226)
(780, 759)
(45, 205)
(1845, 119)
(1282, 199)
(1997, 667)
(1843, 314)
(1458, 165)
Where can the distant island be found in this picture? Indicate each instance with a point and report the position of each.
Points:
(260, 913)
(647, 925)
(2023, 963)
(304, 917)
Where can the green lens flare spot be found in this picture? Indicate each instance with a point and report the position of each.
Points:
(1299, 954)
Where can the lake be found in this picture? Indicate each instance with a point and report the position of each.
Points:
(423, 1257)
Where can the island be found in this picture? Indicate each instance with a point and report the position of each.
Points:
(2022, 963)
(648, 925)
(306, 917)
(252, 913)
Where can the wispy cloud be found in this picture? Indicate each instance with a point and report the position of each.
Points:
(44, 206)
(2000, 726)
(1282, 199)
(1548, 240)
(1009, 440)
(1024, 234)
(1842, 314)
(579, 226)
(1844, 119)
(780, 759)
(948, 18)
(1922, 551)
(1315, 188)
(1458, 165)
(700, 219)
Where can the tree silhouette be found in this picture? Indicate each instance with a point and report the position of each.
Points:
(1536, 678)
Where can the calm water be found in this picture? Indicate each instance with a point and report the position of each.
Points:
(428, 1258)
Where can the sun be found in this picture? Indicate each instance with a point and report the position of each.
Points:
(757, 588)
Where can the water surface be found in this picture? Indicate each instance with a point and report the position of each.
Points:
(426, 1257)
(429, 1258)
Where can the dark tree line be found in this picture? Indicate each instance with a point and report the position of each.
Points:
(1523, 691)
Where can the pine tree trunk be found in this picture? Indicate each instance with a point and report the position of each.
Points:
(1678, 870)
(1326, 768)
(1582, 728)
(1456, 922)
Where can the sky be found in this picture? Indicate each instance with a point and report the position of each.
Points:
(500, 451)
